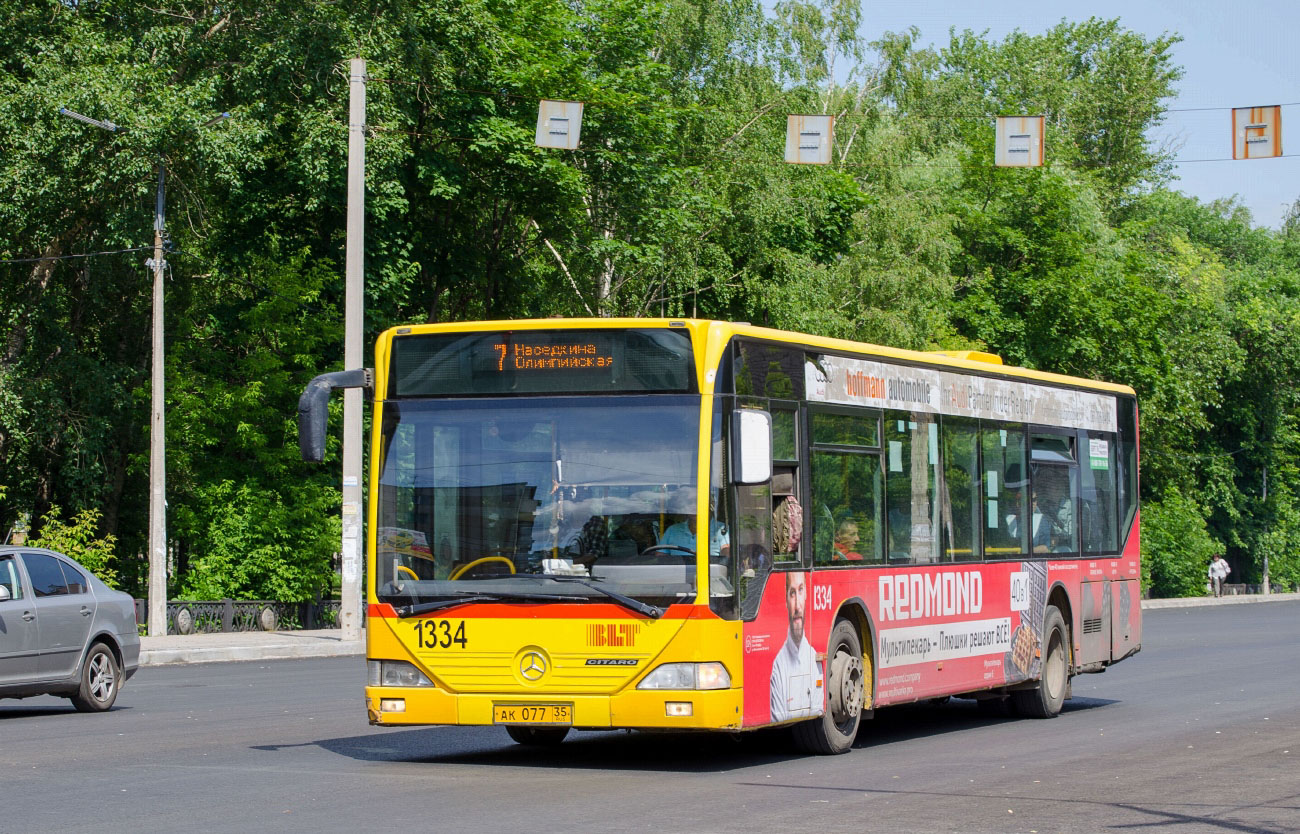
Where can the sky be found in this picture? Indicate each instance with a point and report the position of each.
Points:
(1234, 54)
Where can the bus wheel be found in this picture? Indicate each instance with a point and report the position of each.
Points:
(1045, 699)
(836, 729)
(537, 736)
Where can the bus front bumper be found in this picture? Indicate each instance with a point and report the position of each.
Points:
(719, 709)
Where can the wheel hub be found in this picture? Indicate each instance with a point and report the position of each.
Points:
(845, 686)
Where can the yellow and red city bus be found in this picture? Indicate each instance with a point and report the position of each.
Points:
(701, 525)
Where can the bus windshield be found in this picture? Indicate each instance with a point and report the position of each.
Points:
(577, 498)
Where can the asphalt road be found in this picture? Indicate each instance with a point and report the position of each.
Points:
(1198, 733)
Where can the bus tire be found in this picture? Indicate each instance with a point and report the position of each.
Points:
(835, 730)
(537, 736)
(1044, 700)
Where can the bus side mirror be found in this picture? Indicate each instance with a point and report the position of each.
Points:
(751, 449)
(314, 412)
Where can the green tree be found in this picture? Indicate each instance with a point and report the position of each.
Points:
(79, 540)
(1176, 548)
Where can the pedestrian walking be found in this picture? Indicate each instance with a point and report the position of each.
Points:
(1219, 571)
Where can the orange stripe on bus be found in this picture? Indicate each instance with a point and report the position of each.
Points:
(548, 611)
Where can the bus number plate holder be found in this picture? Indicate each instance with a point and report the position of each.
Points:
(545, 714)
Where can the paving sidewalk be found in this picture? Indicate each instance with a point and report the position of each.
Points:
(1231, 599)
(247, 645)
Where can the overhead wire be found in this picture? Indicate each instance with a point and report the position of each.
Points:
(35, 260)
(229, 277)
(930, 113)
(589, 150)
(945, 114)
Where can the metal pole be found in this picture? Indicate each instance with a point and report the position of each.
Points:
(349, 612)
(157, 439)
(1265, 491)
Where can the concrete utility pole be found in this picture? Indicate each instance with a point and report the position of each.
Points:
(1265, 590)
(158, 436)
(354, 301)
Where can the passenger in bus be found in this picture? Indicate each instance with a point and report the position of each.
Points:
(796, 682)
(682, 534)
(1053, 515)
(787, 525)
(593, 539)
(846, 538)
(1042, 529)
(1014, 485)
(1063, 539)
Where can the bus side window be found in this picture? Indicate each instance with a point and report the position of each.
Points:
(1005, 491)
(1097, 470)
(847, 508)
(745, 513)
(961, 490)
(1055, 490)
(911, 468)
(752, 536)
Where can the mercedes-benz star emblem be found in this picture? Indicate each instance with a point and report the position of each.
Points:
(532, 666)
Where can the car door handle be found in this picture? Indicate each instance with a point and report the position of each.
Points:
(28, 616)
(86, 612)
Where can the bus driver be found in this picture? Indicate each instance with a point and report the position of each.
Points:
(796, 678)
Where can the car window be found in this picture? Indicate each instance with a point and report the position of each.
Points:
(75, 579)
(47, 579)
(9, 577)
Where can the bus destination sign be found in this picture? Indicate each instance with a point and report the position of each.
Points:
(552, 356)
(559, 361)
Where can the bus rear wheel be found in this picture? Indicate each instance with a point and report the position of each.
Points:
(537, 736)
(835, 730)
(1046, 698)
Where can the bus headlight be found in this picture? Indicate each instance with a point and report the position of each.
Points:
(711, 675)
(394, 673)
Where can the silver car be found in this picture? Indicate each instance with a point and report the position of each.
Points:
(63, 631)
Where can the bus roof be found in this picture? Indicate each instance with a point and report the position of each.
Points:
(979, 362)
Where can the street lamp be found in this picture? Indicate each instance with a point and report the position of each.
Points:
(106, 125)
(157, 429)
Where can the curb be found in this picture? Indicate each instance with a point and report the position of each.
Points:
(1197, 602)
(219, 654)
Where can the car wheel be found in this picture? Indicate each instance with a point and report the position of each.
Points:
(100, 678)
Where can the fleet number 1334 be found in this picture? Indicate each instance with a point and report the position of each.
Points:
(440, 634)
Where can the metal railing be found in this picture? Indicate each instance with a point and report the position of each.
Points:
(1237, 589)
(208, 616)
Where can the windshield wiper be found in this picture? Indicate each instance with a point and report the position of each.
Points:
(467, 597)
(651, 611)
